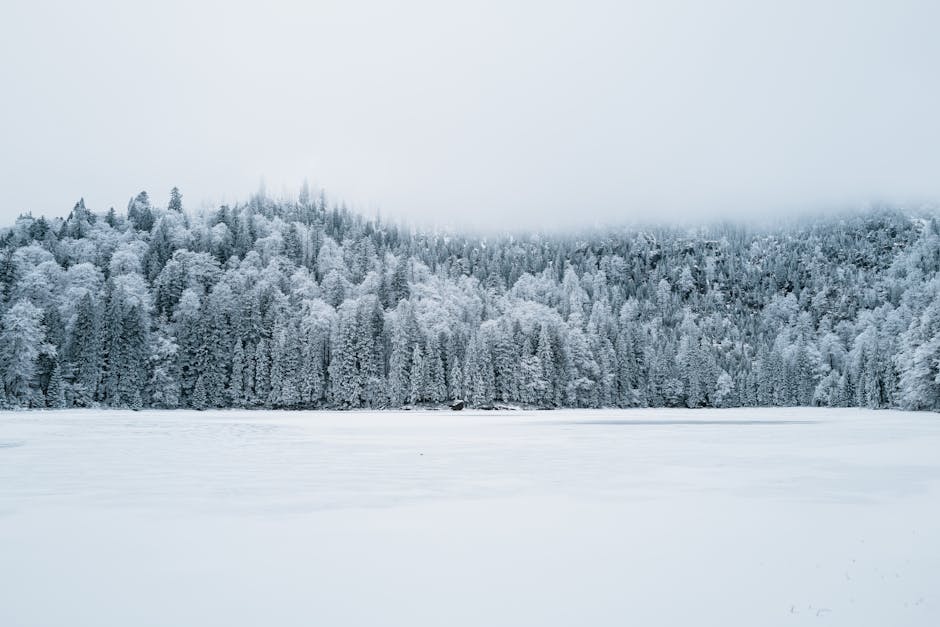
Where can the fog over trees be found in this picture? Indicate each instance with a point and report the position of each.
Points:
(302, 304)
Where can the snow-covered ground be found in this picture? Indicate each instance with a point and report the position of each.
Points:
(653, 517)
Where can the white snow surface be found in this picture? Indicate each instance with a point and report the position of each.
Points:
(628, 517)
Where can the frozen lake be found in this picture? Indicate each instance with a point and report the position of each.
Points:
(647, 517)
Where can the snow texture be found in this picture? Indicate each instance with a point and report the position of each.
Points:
(576, 517)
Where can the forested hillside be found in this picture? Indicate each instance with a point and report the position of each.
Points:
(304, 305)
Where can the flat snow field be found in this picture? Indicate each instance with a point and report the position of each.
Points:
(647, 517)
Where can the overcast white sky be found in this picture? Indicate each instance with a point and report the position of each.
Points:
(516, 113)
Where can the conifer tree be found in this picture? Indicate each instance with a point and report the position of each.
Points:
(176, 201)
(55, 392)
(236, 386)
(419, 376)
(198, 399)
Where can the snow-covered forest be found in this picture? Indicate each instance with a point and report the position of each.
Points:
(303, 304)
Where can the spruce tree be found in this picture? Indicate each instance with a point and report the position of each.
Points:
(55, 392)
(419, 377)
(236, 385)
(176, 201)
(199, 400)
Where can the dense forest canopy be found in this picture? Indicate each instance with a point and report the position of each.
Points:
(301, 304)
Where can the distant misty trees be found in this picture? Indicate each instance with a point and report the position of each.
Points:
(302, 304)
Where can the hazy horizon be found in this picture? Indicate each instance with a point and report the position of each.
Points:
(491, 115)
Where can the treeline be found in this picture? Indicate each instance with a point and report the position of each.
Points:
(303, 304)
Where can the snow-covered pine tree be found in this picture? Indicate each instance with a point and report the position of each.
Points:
(55, 392)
